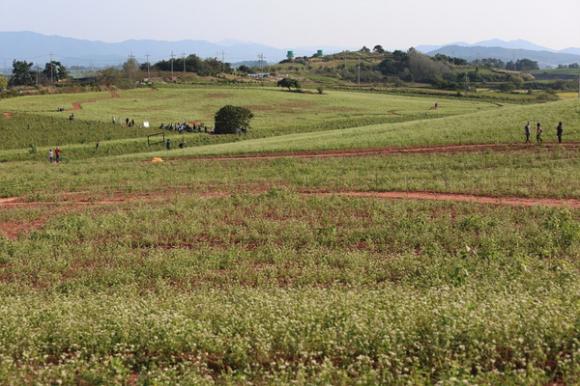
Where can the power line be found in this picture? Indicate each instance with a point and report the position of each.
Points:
(51, 69)
(172, 57)
(261, 62)
(148, 67)
(579, 89)
(129, 67)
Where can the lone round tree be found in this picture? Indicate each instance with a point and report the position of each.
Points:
(289, 83)
(232, 120)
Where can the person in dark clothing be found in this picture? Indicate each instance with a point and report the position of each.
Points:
(539, 132)
(168, 144)
(528, 132)
(560, 131)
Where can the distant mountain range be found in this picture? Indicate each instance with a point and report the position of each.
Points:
(506, 51)
(544, 58)
(37, 48)
(509, 44)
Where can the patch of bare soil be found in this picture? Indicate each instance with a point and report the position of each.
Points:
(218, 95)
(71, 202)
(447, 149)
(456, 197)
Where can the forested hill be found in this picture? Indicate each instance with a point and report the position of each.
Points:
(544, 58)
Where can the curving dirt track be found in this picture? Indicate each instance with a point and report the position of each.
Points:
(72, 202)
(443, 149)
(456, 197)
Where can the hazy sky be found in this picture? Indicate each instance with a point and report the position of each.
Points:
(289, 24)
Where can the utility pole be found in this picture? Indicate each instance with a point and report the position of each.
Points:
(223, 60)
(358, 71)
(184, 68)
(148, 67)
(261, 61)
(130, 63)
(172, 56)
(578, 106)
(51, 69)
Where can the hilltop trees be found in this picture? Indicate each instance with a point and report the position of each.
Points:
(232, 120)
(379, 49)
(425, 69)
(21, 73)
(395, 65)
(450, 60)
(489, 63)
(193, 63)
(415, 66)
(522, 65)
(54, 71)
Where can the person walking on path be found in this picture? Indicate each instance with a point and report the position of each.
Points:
(560, 131)
(50, 155)
(57, 154)
(528, 131)
(539, 131)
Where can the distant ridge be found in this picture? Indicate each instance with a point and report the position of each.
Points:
(36, 47)
(544, 58)
(574, 51)
(547, 57)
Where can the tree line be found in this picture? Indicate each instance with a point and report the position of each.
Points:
(192, 64)
(24, 73)
(441, 71)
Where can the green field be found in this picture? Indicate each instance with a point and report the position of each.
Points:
(276, 112)
(272, 270)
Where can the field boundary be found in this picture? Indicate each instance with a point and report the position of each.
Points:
(363, 152)
(96, 199)
(71, 202)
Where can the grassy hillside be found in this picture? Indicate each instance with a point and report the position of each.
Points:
(34, 119)
(268, 271)
(503, 125)
(276, 287)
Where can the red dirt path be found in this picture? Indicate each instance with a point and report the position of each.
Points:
(7, 114)
(450, 149)
(72, 202)
(457, 197)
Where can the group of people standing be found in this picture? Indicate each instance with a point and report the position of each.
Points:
(540, 132)
(54, 155)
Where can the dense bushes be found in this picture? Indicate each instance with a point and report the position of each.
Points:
(193, 63)
(232, 120)
(289, 83)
